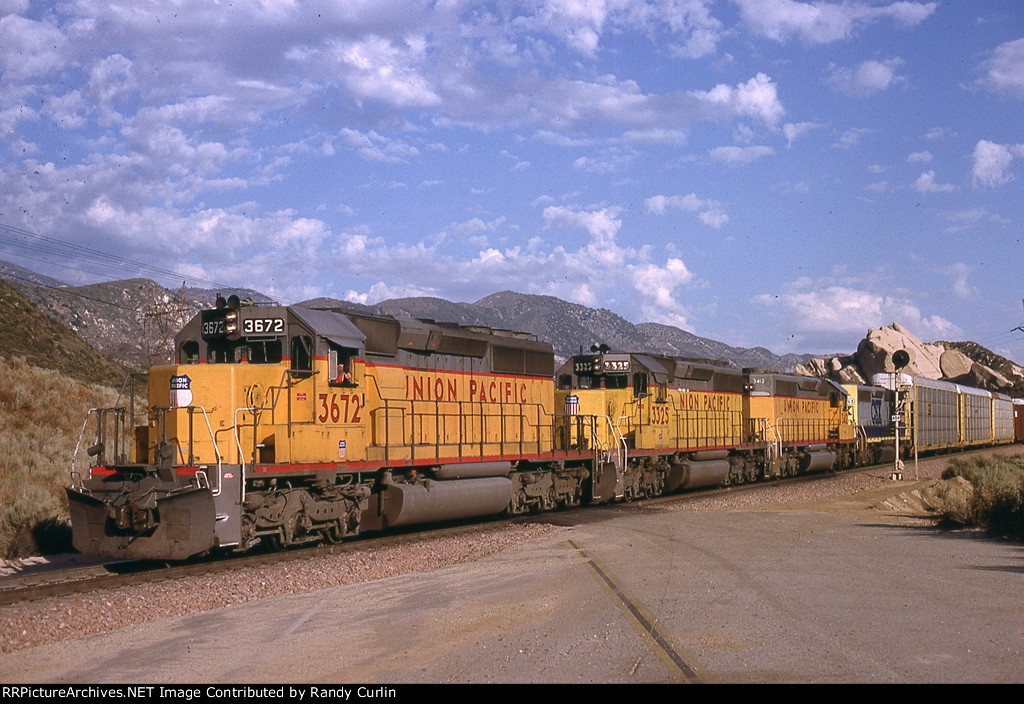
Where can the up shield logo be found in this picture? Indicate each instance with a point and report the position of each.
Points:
(181, 391)
(876, 411)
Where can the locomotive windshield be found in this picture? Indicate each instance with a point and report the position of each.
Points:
(244, 351)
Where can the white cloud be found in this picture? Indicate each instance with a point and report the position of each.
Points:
(377, 69)
(793, 130)
(608, 162)
(820, 309)
(589, 273)
(692, 31)
(962, 220)
(867, 78)
(758, 98)
(919, 157)
(959, 284)
(710, 212)
(576, 22)
(1004, 70)
(658, 285)
(991, 163)
(28, 48)
(823, 22)
(603, 225)
(734, 156)
(851, 137)
(377, 147)
(926, 183)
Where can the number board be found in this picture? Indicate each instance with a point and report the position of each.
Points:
(586, 365)
(263, 326)
(215, 324)
(616, 365)
(597, 365)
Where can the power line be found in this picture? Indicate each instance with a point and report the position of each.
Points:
(52, 246)
(68, 292)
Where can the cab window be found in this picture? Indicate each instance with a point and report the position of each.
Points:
(188, 353)
(340, 366)
(640, 384)
(301, 349)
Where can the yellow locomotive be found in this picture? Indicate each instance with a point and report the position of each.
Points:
(283, 425)
(292, 424)
(668, 423)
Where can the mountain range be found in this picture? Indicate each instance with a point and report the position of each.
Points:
(133, 322)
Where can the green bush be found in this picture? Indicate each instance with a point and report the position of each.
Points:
(997, 502)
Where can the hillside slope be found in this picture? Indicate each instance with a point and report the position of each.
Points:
(28, 332)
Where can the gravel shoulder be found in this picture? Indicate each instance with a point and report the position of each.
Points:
(865, 495)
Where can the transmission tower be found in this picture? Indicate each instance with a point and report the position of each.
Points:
(162, 319)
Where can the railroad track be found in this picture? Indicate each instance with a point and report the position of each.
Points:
(45, 584)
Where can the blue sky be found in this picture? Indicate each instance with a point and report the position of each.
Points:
(777, 173)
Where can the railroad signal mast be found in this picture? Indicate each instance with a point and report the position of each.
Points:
(900, 359)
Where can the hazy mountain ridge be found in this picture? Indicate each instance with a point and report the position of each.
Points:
(132, 320)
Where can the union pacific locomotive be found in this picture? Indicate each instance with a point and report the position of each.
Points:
(287, 425)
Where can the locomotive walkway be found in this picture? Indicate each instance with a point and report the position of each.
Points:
(657, 595)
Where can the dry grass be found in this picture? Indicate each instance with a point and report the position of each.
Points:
(41, 416)
(997, 500)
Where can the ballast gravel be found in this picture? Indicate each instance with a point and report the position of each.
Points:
(38, 623)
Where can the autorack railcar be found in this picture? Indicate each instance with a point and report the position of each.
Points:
(941, 415)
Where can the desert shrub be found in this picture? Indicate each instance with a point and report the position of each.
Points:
(41, 417)
(997, 502)
(32, 506)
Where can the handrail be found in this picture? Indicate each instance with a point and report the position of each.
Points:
(424, 425)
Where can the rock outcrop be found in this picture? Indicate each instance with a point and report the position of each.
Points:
(964, 363)
(874, 353)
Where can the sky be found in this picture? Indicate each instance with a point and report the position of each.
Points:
(760, 172)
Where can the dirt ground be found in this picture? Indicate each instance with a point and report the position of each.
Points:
(917, 500)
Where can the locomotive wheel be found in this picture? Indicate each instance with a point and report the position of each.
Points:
(275, 542)
(332, 534)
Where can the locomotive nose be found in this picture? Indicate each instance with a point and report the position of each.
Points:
(160, 526)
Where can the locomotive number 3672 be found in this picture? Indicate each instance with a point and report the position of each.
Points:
(262, 326)
(339, 408)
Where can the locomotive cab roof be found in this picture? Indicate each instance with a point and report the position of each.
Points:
(664, 370)
(213, 333)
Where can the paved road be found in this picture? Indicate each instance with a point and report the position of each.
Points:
(659, 596)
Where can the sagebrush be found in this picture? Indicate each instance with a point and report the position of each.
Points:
(41, 417)
(997, 500)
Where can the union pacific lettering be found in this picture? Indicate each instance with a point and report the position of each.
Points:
(697, 401)
(802, 406)
(428, 387)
